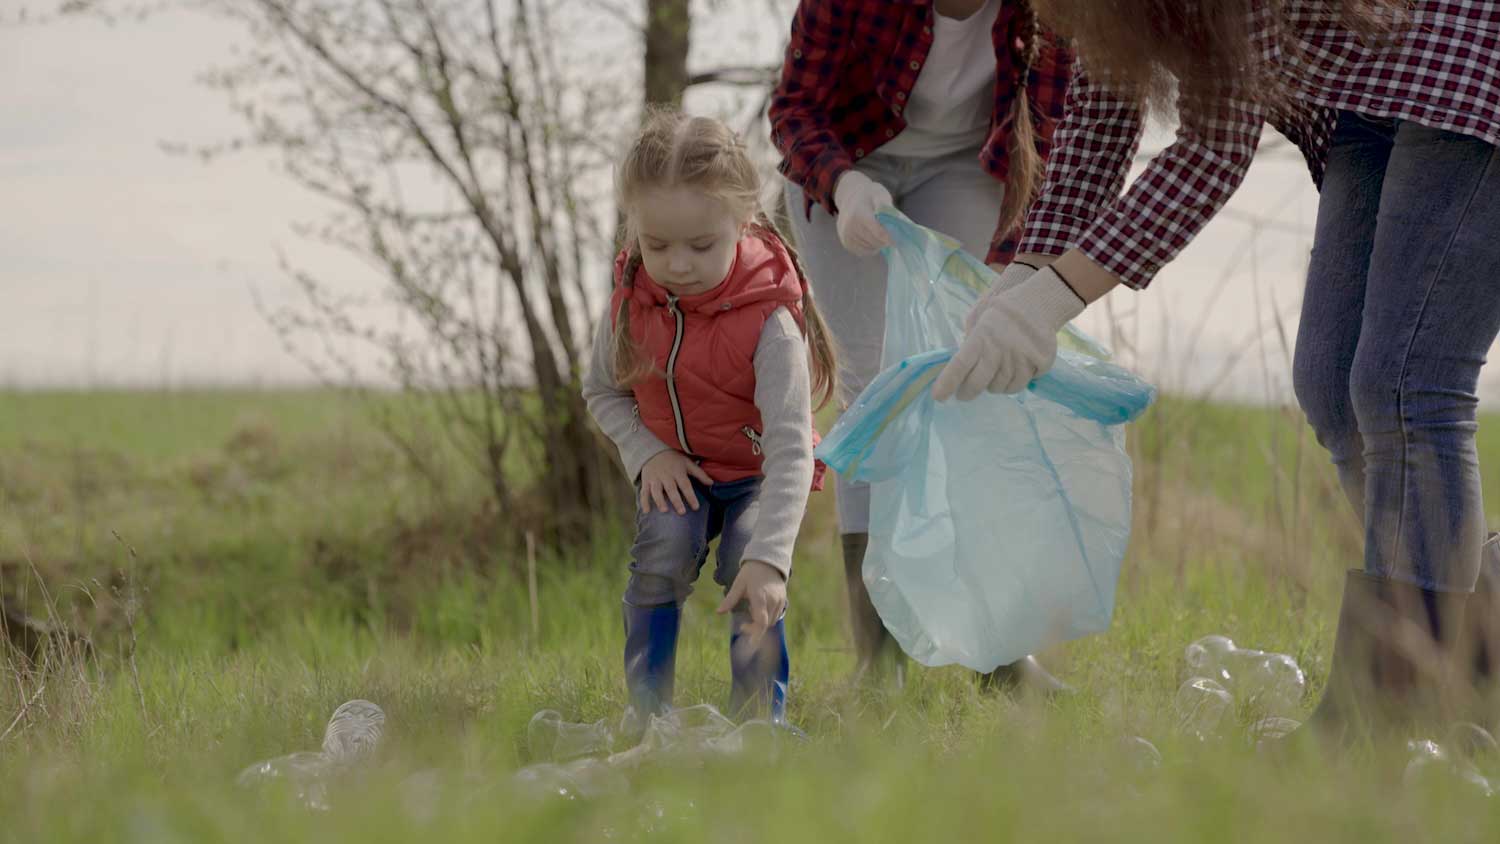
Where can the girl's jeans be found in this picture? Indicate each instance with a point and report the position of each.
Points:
(670, 549)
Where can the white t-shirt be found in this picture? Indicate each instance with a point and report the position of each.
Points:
(950, 105)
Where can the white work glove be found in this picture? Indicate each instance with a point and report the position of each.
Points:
(858, 197)
(1011, 276)
(1013, 341)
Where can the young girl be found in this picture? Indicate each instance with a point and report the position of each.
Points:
(1396, 106)
(704, 372)
(944, 109)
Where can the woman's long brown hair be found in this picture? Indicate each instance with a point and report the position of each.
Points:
(1024, 173)
(1153, 50)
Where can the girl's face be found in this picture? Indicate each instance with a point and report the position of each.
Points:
(687, 238)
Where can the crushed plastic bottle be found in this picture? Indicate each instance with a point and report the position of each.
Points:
(1269, 683)
(420, 795)
(1424, 753)
(1271, 729)
(544, 780)
(1141, 755)
(1431, 762)
(680, 736)
(698, 723)
(552, 739)
(752, 737)
(306, 773)
(1206, 657)
(658, 816)
(581, 779)
(349, 741)
(1201, 704)
(689, 736)
(693, 735)
(1473, 741)
(637, 726)
(691, 730)
(594, 778)
(353, 733)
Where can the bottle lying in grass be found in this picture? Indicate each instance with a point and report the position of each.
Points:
(349, 742)
(1269, 683)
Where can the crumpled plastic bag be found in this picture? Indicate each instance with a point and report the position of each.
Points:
(998, 525)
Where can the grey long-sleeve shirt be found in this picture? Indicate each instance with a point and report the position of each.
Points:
(783, 394)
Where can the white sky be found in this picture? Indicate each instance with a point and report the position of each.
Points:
(121, 264)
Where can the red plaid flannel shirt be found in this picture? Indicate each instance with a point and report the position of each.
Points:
(1443, 72)
(850, 66)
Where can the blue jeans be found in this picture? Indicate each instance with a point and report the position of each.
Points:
(1402, 305)
(670, 550)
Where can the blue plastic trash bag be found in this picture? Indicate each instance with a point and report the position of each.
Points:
(997, 526)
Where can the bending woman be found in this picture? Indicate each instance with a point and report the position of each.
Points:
(942, 108)
(1396, 106)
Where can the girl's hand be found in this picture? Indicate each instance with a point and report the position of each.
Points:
(668, 477)
(762, 587)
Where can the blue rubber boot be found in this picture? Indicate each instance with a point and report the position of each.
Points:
(760, 676)
(650, 660)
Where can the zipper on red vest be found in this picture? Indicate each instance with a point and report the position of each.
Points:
(672, 374)
(754, 437)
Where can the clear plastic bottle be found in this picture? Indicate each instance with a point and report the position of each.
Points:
(1431, 762)
(1202, 705)
(551, 739)
(1269, 683)
(353, 733)
(350, 740)
(1141, 755)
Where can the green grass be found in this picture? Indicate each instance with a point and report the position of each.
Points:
(286, 560)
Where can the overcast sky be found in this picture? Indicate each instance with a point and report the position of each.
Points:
(122, 264)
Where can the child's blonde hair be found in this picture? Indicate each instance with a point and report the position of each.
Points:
(677, 150)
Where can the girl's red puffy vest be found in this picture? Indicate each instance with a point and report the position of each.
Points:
(701, 399)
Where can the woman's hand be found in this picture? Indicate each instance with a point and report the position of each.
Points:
(1010, 276)
(668, 478)
(858, 198)
(1012, 341)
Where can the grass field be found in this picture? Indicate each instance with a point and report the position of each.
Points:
(247, 561)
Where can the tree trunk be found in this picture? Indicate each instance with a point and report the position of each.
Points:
(585, 483)
(668, 26)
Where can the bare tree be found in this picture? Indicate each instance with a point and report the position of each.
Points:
(668, 35)
(462, 163)
(468, 169)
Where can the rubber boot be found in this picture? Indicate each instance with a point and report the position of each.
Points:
(1024, 675)
(874, 648)
(1481, 637)
(1393, 661)
(1482, 620)
(759, 675)
(650, 661)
